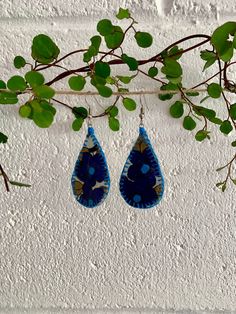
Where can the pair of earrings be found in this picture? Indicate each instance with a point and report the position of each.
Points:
(141, 181)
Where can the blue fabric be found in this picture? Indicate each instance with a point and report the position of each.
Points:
(90, 179)
(141, 182)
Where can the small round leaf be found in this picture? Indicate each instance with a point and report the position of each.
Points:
(43, 119)
(143, 39)
(44, 91)
(25, 111)
(104, 27)
(34, 78)
(129, 104)
(153, 71)
(102, 69)
(77, 82)
(177, 109)
(214, 90)
(16, 83)
(80, 112)
(226, 127)
(232, 111)
(114, 124)
(77, 124)
(19, 62)
(104, 91)
(189, 123)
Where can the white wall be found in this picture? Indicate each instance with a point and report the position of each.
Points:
(57, 256)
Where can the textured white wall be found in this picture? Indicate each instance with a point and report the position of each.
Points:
(56, 255)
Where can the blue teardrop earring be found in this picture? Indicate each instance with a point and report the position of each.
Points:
(90, 179)
(141, 181)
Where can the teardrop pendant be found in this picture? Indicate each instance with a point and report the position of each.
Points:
(142, 182)
(90, 180)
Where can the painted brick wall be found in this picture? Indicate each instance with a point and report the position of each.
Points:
(56, 256)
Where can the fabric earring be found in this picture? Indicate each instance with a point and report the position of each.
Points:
(90, 179)
(141, 181)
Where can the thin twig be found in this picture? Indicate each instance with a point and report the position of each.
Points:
(5, 178)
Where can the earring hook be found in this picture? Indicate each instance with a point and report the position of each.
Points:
(89, 117)
(141, 115)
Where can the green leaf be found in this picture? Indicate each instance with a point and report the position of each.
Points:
(25, 111)
(104, 91)
(214, 90)
(2, 85)
(208, 64)
(112, 111)
(203, 99)
(223, 187)
(44, 91)
(234, 41)
(97, 80)
(20, 184)
(123, 14)
(171, 68)
(77, 82)
(8, 98)
(104, 27)
(123, 90)
(175, 50)
(226, 127)
(45, 105)
(129, 104)
(43, 49)
(201, 135)
(192, 94)
(3, 138)
(102, 69)
(110, 80)
(210, 58)
(114, 39)
(125, 79)
(143, 39)
(130, 61)
(153, 71)
(80, 112)
(220, 37)
(219, 184)
(232, 111)
(19, 62)
(34, 78)
(77, 124)
(177, 109)
(229, 51)
(189, 123)
(16, 83)
(207, 55)
(169, 86)
(202, 111)
(234, 181)
(43, 119)
(215, 120)
(95, 43)
(114, 124)
(87, 56)
(233, 143)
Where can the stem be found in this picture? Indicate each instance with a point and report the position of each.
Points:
(5, 178)
(140, 62)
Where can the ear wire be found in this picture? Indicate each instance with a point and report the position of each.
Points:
(141, 115)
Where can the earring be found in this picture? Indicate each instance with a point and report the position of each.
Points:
(141, 181)
(90, 179)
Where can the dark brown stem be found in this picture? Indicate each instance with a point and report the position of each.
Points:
(140, 62)
(5, 178)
